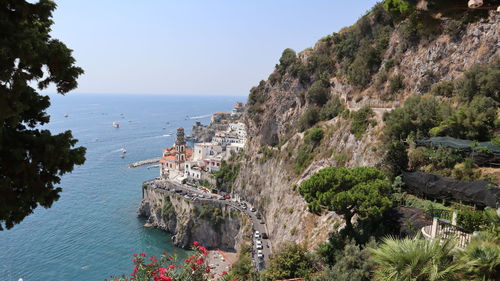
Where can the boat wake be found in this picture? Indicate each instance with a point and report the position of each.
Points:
(199, 117)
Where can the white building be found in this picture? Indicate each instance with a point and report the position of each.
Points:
(205, 149)
(233, 149)
(226, 138)
(192, 170)
(239, 129)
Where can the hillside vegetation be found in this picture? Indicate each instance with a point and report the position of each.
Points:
(334, 126)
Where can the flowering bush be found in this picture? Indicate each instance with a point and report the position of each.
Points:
(167, 268)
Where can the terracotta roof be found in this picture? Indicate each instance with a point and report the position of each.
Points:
(171, 154)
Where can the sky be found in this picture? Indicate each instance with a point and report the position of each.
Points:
(204, 47)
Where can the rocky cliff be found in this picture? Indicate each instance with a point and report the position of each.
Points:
(277, 106)
(213, 224)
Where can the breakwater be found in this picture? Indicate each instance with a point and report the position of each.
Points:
(144, 162)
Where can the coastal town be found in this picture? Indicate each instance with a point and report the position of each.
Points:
(187, 172)
(181, 162)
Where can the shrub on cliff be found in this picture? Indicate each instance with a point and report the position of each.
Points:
(243, 269)
(226, 175)
(314, 136)
(288, 57)
(360, 121)
(331, 109)
(318, 93)
(290, 261)
(309, 118)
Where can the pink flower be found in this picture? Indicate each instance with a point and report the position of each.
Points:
(166, 278)
(135, 255)
(143, 254)
(208, 270)
(199, 261)
(195, 243)
(203, 250)
(135, 271)
(134, 260)
(171, 266)
(153, 259)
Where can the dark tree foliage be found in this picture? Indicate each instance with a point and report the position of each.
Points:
(226, 175)
(473, 121)
(288, 57)
(318, 93)
(353, 263)
(361, 191)
(481, 80)
(31, 159)
(309, 118)
(331, 109)
(290, 261)
(418, 115)
(360, 121)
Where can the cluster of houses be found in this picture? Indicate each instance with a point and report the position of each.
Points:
(181, 162)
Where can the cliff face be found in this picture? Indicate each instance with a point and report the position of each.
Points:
(213, 225)
(268, 179)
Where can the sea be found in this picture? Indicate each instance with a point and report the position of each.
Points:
(91, 232)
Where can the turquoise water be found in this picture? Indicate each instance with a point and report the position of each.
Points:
(92, 231)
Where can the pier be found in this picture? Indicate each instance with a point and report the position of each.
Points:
(144, 162)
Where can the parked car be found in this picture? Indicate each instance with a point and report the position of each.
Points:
(221, 198)
(264, 235)
(259, 246)
(253, 209)
(257, 234)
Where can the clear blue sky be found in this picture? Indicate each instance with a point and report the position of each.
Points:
(205, 47)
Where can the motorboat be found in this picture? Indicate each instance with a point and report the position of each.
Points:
(116, 124)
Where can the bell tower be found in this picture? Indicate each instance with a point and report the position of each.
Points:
(180, 148)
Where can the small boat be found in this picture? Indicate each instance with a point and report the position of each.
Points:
(122, 156)
(66, 115)
(116, 124)
(123, 150)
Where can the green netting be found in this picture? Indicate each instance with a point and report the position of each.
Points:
(458, 144)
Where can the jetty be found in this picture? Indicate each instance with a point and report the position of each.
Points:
(144, 162)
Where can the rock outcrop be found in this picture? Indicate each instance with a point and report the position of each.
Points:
(213, 224)
(271, 183)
